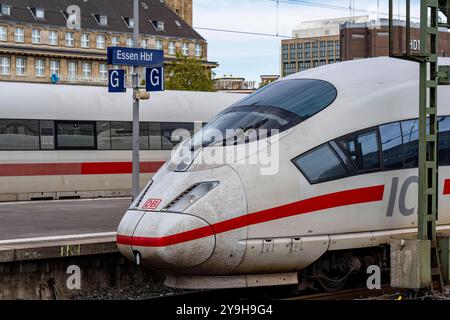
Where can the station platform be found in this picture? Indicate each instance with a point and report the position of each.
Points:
(51, 229)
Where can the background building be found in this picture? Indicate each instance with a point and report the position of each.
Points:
(268, 78)
(371, 39)
(183, 8)
(314, 43)
(36, 43)
(318, 43)
(234, 84)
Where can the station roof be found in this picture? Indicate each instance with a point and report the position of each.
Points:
(116, 11)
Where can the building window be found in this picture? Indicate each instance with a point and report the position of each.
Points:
(3, 33)
(5, 66)
(103, 71)
(40, 67)
(72, 70)
(172, 47)
(87, 70)
(198, 50)
(185, 48)
(36, 36)
(129, 22)
(54, 67)
(70, 39)
(40, 14)
(5, 9)
(158, 25)
(101, 19)
(130, 42)
(144, 43)
(115, 41)
(53, 38)
(19, 35)
(159, 45)
(85, 40)
(20, 66)
(101, 41)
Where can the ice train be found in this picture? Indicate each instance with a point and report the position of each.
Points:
(344, 182)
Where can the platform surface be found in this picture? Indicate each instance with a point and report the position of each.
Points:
(30, 223)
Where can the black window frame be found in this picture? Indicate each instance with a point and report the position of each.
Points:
(338, 157)
(93, 123)
(355, 171)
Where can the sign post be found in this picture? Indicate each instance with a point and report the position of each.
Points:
(116, 83)
(136, 130)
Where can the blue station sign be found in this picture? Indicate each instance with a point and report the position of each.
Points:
(154, 79)
(116, 81)
(135, 57)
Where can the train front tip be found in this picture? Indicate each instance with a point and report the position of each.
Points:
(160, 239)
(176, 224)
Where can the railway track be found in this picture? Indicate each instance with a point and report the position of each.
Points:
(385, 292)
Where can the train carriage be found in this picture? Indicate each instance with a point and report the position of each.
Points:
(63, 141)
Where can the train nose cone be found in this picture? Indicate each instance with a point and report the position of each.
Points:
(170, 241)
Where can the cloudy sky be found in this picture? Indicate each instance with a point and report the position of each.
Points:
(250, 56)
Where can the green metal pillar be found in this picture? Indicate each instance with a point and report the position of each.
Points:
(430, 77)
(428, 153)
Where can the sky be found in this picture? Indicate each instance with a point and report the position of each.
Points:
(250, 56)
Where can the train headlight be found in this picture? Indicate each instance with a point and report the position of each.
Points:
(191, 196)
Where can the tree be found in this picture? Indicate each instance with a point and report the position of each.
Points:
(188, 74)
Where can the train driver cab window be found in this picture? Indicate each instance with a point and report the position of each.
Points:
(321, 164)
(275, 108)
(363, 149)
(75, 135)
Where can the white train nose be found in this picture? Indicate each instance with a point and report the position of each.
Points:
(166, 240)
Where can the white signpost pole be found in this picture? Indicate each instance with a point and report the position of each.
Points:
(136, 129)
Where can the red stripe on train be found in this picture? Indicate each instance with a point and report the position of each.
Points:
(447, 187)
(86, 168)
(333, 200)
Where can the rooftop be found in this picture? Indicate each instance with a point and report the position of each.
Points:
(155, 18)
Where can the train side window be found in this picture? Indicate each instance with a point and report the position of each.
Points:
(103, 135)
(19, 135)
(155, 136)
(47, 129)
(320, 165)
(174, 133)
(392, 146)
(363, 149)
(75, 135)
(444, 141)
(122, 135)
(410, 130)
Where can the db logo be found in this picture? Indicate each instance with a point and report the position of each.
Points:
(151, 204)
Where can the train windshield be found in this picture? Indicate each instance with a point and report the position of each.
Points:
(272, 109)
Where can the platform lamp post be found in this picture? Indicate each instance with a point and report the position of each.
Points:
(136, 128)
